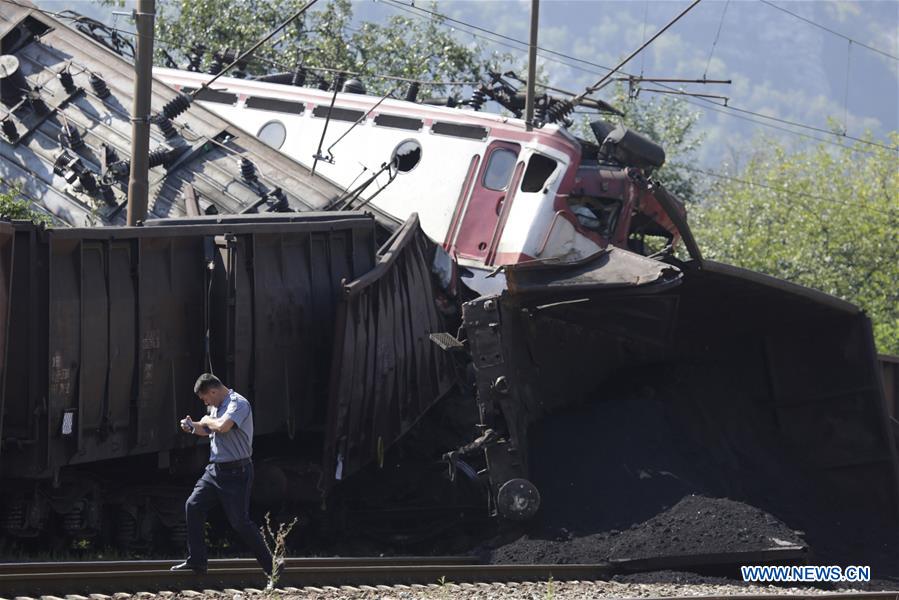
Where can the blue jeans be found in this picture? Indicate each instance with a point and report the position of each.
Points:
(231, 487)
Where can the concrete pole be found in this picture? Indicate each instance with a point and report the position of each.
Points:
(138, 186)
(532, 64)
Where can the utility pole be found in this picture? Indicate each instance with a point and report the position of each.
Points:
(532, 65)
(138, 186)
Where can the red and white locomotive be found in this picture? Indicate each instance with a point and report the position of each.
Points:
(488, 188)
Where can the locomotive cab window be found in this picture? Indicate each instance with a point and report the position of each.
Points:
(499, 169)
(537, 174)
(596, 214)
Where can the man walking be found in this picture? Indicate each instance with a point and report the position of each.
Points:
(228, 476)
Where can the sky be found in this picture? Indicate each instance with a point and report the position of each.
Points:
(780, 65)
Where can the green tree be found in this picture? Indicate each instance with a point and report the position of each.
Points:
(325, 37)
(14, 206)
(821, 218)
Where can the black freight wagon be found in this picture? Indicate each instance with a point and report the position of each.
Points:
(106, 330)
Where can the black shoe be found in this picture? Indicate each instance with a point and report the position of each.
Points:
(186, 567)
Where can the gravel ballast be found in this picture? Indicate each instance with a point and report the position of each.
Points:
(541, 590)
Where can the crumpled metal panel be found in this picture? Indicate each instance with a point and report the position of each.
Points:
(386, 372)
(608, 269)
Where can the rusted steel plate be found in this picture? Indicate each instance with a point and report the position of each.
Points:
(386, 373)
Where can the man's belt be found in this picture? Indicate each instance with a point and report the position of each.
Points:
(234, 464)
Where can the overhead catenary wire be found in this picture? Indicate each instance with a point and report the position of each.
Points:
(264, 39)
(788, 191)
(411, 8)
(846, 92)
(599, 84)
(709, 106)
(715, 41)
(829, 30)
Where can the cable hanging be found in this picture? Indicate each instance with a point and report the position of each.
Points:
(829, 30)
(715, 42)
(705, 106)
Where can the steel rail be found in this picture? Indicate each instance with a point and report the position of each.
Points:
(217, 564)
(37, 579)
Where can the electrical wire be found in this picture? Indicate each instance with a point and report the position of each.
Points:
(788, 191)
(715, 41)
(407, 8)
(829, 30)
(714, 106)
(599, 84)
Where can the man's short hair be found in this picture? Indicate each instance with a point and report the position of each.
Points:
(205, 382)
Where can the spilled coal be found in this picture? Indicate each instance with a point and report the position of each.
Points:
(627, 478)
(695, 525)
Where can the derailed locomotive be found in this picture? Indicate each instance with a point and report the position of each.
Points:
(105, 329)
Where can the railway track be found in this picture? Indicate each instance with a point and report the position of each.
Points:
(65, 578)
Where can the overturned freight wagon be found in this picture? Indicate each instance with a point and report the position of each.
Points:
(776, 388)
(107, 328)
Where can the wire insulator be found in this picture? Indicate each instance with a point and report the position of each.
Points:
(99, 86)
(299, 77)
(176, 106)
(412, 92)
(61, 164)
(557, 111)
(158, 157)
(219, 59)
(216, 65)
(196, 57)
(247, 169)
(70, 137)
(478, 98)
(10, 130)
(68, 82)
(166, 127)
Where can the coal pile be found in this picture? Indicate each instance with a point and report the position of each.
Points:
(699, 525)
(627, 476)
(695, 525)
